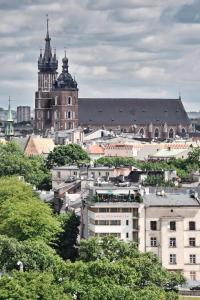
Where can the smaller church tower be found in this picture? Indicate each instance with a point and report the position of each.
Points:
(65, 100)
(9, 130)
(47, 66)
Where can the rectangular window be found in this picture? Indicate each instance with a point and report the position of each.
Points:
(172, 242)
(135, 212)
(192, 242)
(192, 259)
(101, 222)
(75, 173)
(115, 222)
(172, 259)
(172, 225)
(127, 235)
(193, 275)
(99, 173)
(59, 174)
(126, 209)
(127, 222)
(153, 225)
(107, 174)
(153, 242)
(192, 225)
(115, 209)
(135, 224)
(103, 209)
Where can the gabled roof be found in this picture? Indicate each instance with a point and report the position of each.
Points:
(38, 146)
(95, 149)
(130, 111)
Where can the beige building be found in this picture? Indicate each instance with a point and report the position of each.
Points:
(167, 225)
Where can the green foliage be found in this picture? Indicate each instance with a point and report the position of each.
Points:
(67, 154)
(158, 180)
(31, 286)
(35, 254)
(14, 162)
(23, 215)
(184, 167)
(66, 243)
(120, 271)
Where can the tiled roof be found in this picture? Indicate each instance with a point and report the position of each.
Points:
(38, 146)
(95, 149)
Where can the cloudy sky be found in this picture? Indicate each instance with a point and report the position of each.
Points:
(116, 48)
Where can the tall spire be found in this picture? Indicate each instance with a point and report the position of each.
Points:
(47, 62)
(47, 51)
(9, 130)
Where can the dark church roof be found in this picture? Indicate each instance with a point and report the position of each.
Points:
(117, 111)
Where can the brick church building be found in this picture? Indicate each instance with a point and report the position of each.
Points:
(58, 107)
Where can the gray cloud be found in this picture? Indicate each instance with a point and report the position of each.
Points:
(129, 48)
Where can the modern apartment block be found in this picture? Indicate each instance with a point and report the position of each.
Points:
(167, 225)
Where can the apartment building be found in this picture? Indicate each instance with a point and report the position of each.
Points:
(167, 225)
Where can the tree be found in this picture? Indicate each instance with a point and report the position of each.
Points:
(14, 162)
(34, 254)
(31, 286)
(66, 243)
(23, 215)
(67, 154)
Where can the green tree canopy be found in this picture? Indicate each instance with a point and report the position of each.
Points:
(23, 215)
(14, 162)
(67, 154)
(66, 243)
(31, 286)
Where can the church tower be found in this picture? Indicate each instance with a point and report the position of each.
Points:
(47, 66)
(65, 100)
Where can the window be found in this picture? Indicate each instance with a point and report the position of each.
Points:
(69, 115)
(69, 100)
(135, 224)
(172, 259)
(58, 174)
(171, 133)
(99, 173)
(126, 209)
(135, 212)
(193, 275)
(75, 173)
(192, 242)
(172, 242)
(127, 222)
(153, 225)
(115, 222)
(107, 174)
(172, 225)
(156, 133)
(192, 225)
(153, 242)
(101, 222)
(103, 209)
(115, 209)
(192, 259)
(127, 235)
(48, 114)
(56, 100)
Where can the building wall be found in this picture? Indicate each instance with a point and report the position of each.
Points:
(60, 175)
(182, 216)
(23, 114)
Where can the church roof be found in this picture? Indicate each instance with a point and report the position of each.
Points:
(130, 111)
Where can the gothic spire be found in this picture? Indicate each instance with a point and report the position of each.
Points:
(9, 130)
(47, 51)
(47, 62)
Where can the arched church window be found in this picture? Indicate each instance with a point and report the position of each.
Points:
(69, 100)
(141, 132)
(156, 133)
(69, 114)
(171, 133)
